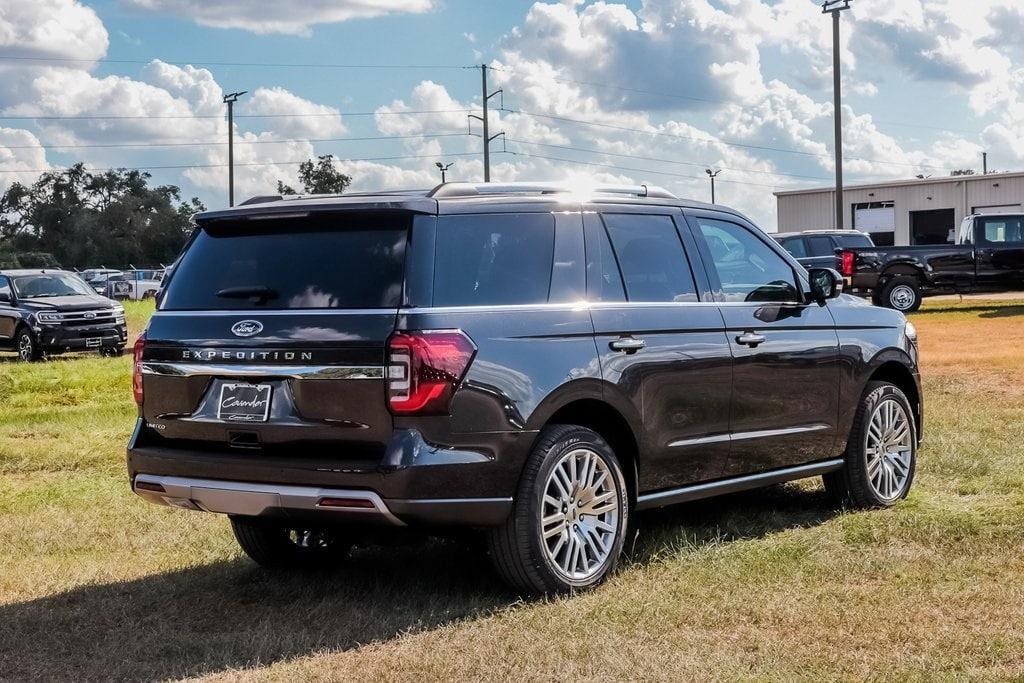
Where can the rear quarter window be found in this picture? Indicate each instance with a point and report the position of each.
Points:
(331, 261)
(493, 259)
(853, 241)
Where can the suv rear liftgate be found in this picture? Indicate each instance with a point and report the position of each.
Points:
(256, 371)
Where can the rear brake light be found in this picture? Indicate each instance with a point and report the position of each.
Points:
(425, 368)
(846, 263)
(140, 344)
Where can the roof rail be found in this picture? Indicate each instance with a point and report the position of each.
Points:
(449, 190)
(261, 199)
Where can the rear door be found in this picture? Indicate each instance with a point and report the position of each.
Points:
(785, 398)
(999, 252)
(297, 310)
(664, 349)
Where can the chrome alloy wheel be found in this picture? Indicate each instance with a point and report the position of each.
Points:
(25, 347)
(580, 514)
(889, 449)
(901, 297)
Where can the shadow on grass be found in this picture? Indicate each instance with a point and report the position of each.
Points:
(1005, 312)
(232, 614)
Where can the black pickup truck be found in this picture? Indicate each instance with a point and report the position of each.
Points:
(988, 256)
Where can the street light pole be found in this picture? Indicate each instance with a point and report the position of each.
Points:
(230, 100)
(444, 169)
(712, 175)
(834, 7)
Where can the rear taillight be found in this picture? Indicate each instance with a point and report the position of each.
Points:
(140, 344)
(425, 368)
(846, 263)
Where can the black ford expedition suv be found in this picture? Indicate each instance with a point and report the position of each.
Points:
(512, 358)
(53, 311)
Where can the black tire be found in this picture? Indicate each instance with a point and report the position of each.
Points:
(27, 346)
(275, 545)
(517, 549)
(852, 485)
(112, 351)
(902, 293)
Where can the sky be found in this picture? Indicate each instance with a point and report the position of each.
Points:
(629, 91)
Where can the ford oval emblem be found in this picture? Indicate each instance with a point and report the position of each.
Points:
(247, 328)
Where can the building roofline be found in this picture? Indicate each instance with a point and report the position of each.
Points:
(903, 183)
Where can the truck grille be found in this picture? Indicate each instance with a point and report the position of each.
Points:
(94, 317)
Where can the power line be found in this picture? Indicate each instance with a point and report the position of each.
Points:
(667, 161)
(675, 96)
(241, 142)
(633, 170)
(251, 163)
(289, 65)
(104, 117)
(627, 129)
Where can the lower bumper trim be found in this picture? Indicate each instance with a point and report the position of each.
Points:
(251, 499)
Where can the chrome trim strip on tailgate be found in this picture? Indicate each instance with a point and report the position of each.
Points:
(253, 370)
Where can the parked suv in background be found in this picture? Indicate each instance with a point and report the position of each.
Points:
(53, 311)
(817, 248)
(512, 358)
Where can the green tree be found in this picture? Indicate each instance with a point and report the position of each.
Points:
(84, 219)
(320, 177)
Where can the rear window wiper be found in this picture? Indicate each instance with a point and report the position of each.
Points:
(257, 293)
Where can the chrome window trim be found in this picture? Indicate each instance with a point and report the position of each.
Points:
(257, 312)
(311, 372)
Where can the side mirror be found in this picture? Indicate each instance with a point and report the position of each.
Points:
(5, 298)
(826, 284)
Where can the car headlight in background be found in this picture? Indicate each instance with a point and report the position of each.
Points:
(49, 317)
(911, 332)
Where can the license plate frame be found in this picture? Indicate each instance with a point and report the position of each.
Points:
(249, 402)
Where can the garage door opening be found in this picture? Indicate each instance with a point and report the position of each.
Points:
(932, 227)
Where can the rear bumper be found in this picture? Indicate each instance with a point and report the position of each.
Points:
(415, 484)
(351, 506)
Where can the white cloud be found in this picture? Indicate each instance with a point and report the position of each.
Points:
(52, 28)
(21, 152)
(279, 16)
(305, 118)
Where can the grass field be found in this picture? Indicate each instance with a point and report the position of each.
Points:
(95, 584)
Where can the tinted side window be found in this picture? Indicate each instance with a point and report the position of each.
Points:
(5, 288)
(604, 281)
(796, 247)
(651, 258)
(820, 245)
(493, 259)
(748, 269)
(1003, 229)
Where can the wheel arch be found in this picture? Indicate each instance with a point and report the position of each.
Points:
(591, 408)
(897, 372)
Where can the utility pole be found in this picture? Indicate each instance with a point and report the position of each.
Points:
(230, 100)
(834, 7)
(444, 169)
(712, 175)
(488, 138)
(984, 163)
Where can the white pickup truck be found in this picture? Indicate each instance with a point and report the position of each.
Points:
(135, 284)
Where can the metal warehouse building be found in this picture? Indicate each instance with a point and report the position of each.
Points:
(904, 212)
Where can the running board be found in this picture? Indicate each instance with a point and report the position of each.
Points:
(744, 483)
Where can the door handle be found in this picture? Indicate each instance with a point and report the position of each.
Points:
(627, 344)
(750, 339)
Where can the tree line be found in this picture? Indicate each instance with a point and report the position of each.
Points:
(76, 218)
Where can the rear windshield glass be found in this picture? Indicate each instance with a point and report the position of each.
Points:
(336, 261)
(856, 240)
(490, 260)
